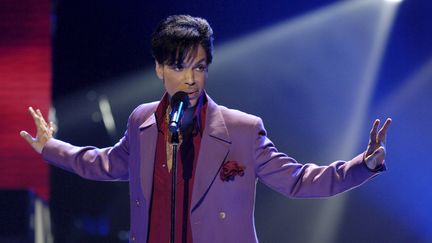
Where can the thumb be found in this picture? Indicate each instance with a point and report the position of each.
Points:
(376, 158)
(27, 137)
(32, 141)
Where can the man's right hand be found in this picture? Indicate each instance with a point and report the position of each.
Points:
(44, 131)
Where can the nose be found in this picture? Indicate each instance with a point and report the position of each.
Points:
(189, 77)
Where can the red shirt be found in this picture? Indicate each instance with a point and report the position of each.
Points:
(187, 156)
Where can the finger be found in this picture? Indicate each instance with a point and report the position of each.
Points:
(383, 131)
(39, 112)
(32, 112)
(41, 118)
(27, 137)
(52, 128)
(376, 159)
(379, 151)
(40, 122)
(373, 132)
(35, 116)
(37, 121)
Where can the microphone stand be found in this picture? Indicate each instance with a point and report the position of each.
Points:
(175, 142)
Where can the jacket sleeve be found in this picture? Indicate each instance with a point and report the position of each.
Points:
(90, 162)
(285, 175)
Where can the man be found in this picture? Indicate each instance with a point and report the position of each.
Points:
(222, 153)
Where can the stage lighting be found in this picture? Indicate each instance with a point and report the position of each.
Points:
(394, 1)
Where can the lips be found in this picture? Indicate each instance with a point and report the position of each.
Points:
(192, 93)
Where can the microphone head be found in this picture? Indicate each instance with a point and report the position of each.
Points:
(178, 97)
(179, 103)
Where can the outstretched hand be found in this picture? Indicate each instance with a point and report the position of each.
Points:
(44, 131)
(375, 152)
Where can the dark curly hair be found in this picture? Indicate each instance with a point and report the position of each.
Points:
(178, 35)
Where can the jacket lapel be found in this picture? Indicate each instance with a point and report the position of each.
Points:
(214, 149)
(148, 141)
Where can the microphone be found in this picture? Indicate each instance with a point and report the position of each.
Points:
(179, 103)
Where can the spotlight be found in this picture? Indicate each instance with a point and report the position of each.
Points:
(394, 1)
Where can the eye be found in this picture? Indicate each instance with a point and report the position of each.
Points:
(177, 67)
(201, 68)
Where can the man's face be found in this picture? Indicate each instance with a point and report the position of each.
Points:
(189, 76)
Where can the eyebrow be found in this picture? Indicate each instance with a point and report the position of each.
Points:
(197, 62)
(202, 60)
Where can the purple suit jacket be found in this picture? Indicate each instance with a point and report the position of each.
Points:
(221, 211)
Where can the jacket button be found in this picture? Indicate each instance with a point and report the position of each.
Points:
(137, 203)
(222, 215)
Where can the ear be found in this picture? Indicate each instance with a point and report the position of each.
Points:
(159, 70)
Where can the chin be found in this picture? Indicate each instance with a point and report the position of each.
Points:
(193, 102)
